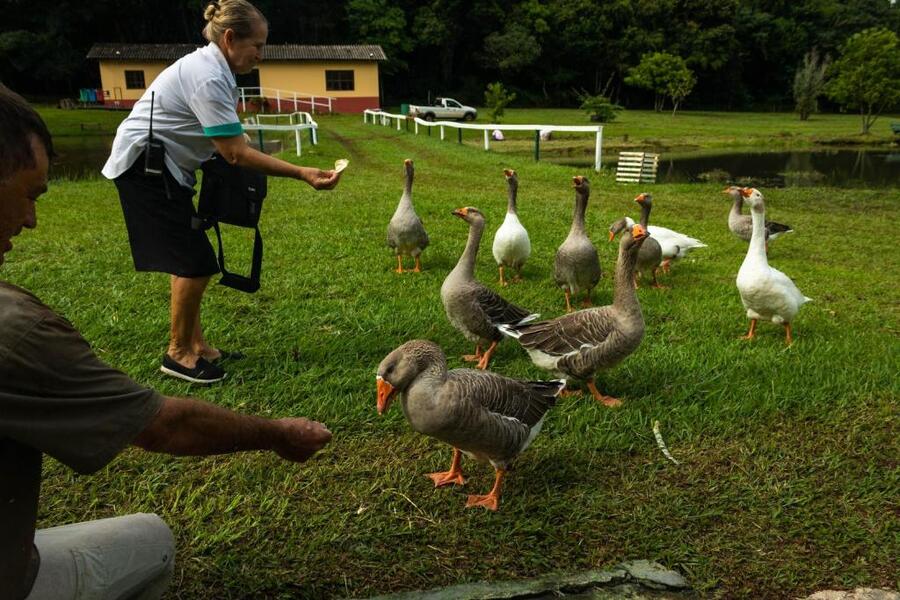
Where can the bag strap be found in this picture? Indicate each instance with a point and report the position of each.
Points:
(239, 282)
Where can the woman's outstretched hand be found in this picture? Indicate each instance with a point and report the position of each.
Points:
(319, 179)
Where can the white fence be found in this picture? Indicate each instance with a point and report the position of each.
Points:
(388, 119)
(297, 122)
(287, 100)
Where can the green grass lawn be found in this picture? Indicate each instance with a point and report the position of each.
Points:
(789, 477)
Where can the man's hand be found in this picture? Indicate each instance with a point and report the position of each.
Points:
(319, 179)
(300, 438)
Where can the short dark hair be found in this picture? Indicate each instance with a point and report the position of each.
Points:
(18, 122)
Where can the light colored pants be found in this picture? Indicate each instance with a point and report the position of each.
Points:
(130, 557)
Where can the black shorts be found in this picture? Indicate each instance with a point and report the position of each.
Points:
(159, 225)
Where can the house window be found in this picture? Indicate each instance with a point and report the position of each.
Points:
(338, 80)
(134, 80)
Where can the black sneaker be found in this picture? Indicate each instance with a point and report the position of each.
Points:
(204, 372)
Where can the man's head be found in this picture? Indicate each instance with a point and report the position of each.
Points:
(25, 151)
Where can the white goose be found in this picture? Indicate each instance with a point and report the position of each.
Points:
(511, 244)
(767, 293)
(675, 245)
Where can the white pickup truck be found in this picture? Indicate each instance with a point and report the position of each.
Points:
(444, 108)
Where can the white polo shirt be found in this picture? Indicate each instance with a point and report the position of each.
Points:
(195, 100)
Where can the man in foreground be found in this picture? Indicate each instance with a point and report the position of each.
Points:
(58, 398)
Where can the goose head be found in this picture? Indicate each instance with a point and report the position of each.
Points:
(408, 167)
(632, 243)
(619, 226)
(733, 191)
(399, 369)
(469, 214)
(510, 175)
(753, 197)
(644, 199)
(581, 184)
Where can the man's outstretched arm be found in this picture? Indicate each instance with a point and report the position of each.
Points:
(189, 427)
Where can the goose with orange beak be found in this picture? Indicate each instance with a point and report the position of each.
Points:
(483, 415)
(766, 292)
(474, 309)
(580, 344)
(576, 267)
(512, 247)
(405, 234)
(741, 225)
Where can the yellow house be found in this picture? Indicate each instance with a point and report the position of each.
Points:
(339, 78)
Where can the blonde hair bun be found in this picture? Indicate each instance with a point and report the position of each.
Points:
(210, 13)
(237, 15)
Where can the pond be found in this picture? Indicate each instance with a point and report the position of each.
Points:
(79, 157)
(829, 167)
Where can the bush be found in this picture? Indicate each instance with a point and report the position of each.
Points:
(496, 98)
(599, 108)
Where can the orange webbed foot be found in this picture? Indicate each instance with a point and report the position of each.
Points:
(609, 401)
(490, 502)
(447, 478)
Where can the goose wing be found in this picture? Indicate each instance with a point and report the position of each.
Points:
(568, 333)
(498, 310)
(517, 402)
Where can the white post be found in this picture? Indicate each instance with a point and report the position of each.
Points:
(597, 148)
(365, 117)
(296, 108)
(243, 101)
(487, 144)
(417, 127)
(297, 140)
(442, 133)
(315, 135)
(312, 103)
(398, 123)
(278, 100)
(329, 105)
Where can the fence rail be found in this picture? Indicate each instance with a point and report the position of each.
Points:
(297, 122)
(287, 99)
(391, 119)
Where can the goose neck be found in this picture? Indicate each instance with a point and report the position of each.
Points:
(645, 215)
(624, 294)
(758, 237)
(737, 206)
(511, 202)
(581, 201)
(466, 263)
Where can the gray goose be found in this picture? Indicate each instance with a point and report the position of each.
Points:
(405, 233)
(741, 225)
(577, 266)
(581, 343)
(650, 255)
(472, 308)
(487, 417)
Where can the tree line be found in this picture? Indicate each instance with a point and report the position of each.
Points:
(742, 54)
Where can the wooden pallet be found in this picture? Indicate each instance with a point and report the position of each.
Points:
(637, 167)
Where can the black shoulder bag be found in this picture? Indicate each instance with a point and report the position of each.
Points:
(233, 195)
